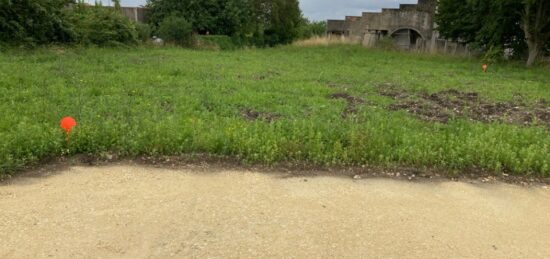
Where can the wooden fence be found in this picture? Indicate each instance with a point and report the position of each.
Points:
(137, 14)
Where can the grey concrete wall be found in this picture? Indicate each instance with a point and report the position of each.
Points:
(391, 20)
(355, 28)
(372, 26)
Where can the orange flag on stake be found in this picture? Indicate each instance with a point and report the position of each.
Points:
(67, 124)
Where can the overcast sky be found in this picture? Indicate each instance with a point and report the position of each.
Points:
(321, 9)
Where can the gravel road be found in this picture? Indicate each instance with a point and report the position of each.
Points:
(140, 212)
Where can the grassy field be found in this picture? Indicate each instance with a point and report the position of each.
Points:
(326, 106)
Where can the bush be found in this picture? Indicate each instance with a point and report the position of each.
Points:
(310, 29)
(493, 55)
(176, 29)
(220, 42)
(34, 22)
(269, 22)
(143, 31)
(103, 26)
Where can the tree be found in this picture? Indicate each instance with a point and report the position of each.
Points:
(176, 29)
(225, 17)
(485, 24)
(235, 19)
(536, 26)
(277, 21)
(270, 22)
(456, 20)
(497, 24)
(118, 7)
(310, 29)
(102, 26)
(34, 21)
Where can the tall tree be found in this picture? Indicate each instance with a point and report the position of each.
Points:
(536, 26)
(485, 24)
(502, 24)
(278, 20)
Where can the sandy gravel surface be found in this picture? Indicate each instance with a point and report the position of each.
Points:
(138, 212)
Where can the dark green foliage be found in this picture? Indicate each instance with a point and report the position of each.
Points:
(497, 24)
(234, 19)
(493, 55)
(118, 7)
(63, 21)
(226, 17)
(102, 26)
(259, 22)
(309, 29)
(34, 21)
(536, 26)
(278, 21)
(143, 31)
(176, 29)
(220, 42)
(486, 24)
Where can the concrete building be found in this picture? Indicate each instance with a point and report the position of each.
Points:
(411, 27)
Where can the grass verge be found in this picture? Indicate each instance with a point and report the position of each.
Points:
(321, 105)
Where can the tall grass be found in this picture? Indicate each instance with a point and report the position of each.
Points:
(325, 41)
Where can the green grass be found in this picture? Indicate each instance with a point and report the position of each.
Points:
(175, 101)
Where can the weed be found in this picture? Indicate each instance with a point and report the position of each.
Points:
(267, 106)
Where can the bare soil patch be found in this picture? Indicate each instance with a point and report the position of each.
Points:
(351, 109)
(252, 115)
(445, 105)
(266, 75)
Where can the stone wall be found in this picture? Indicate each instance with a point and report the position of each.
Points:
(412, 25)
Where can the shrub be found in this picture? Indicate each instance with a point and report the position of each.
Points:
(34, 21)
(176, 29)
(143, 31)
(270, 22)
(309, 29)
(493, 55)
(103, 26)
(220, 42)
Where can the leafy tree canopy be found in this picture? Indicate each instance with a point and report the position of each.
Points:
(269, 22)
(34, 21)
(497, 24)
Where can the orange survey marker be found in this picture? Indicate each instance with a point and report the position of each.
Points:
(67, 124)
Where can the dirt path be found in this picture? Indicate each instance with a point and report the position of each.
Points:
(138, 212)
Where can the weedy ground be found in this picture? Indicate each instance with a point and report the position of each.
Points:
(319, 105)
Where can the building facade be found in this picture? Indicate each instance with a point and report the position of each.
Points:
(411, 26)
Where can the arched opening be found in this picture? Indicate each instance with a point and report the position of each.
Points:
(407, 39)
